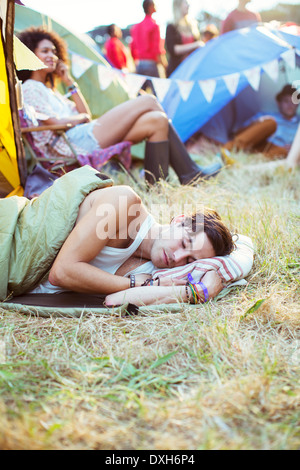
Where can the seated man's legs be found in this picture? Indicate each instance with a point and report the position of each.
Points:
(274, 151)
(253, 136)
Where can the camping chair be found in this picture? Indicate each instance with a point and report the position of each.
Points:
(63, 164)
(35, 153)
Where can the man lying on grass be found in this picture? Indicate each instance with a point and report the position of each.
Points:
(77, 237)
(116, 245)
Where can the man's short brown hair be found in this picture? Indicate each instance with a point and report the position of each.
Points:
(209, 222)
(287, 90)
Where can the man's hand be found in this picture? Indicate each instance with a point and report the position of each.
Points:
(213, 283)
(171, 281)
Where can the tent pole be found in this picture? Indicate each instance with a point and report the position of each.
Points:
(9, 32)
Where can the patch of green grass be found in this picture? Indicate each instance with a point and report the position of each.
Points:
(222, 376)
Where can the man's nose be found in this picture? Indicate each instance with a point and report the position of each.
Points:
(179, 255)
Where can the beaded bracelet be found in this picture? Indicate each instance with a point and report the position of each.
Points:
(132, 281)
(187, 292)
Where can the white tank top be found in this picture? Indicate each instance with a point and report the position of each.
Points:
(110, 260)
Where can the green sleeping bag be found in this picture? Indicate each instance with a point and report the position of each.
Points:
(32, 232)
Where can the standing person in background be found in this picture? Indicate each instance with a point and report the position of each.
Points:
(182, 36)
(116, 52)
(241, 17)
(147, 46)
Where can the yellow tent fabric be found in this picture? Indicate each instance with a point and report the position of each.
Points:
(8, 154)
(12, 159)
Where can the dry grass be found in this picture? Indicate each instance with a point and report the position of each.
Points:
(224, 376)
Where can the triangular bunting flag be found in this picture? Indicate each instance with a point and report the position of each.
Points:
(232, 82)
(161, 87)
(79, 65)
(24, 58)
(253, 77)
(106, 76)
(185, 88)
(134, 83)
(272, 69)
(267, 32)
(290, 58)
(208, 88)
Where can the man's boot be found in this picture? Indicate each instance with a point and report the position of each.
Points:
(156, 161)
(185, 168)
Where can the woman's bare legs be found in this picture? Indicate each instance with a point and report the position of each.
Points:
(135, 120)
(144, 119)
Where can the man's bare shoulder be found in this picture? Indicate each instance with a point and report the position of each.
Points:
(116, 196)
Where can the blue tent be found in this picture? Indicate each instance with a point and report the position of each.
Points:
(230, 56)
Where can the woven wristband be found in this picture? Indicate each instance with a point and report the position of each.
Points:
(194, 293)
(205, 291)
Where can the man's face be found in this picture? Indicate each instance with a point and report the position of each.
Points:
(152, 8)
(177, 247)
(286, 107)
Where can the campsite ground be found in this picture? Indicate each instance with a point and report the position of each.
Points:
(224, 376)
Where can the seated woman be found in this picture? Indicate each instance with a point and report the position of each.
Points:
(134, 121)
(116, 245)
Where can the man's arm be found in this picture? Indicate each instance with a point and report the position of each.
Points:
(105, 218)
(155, 295)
